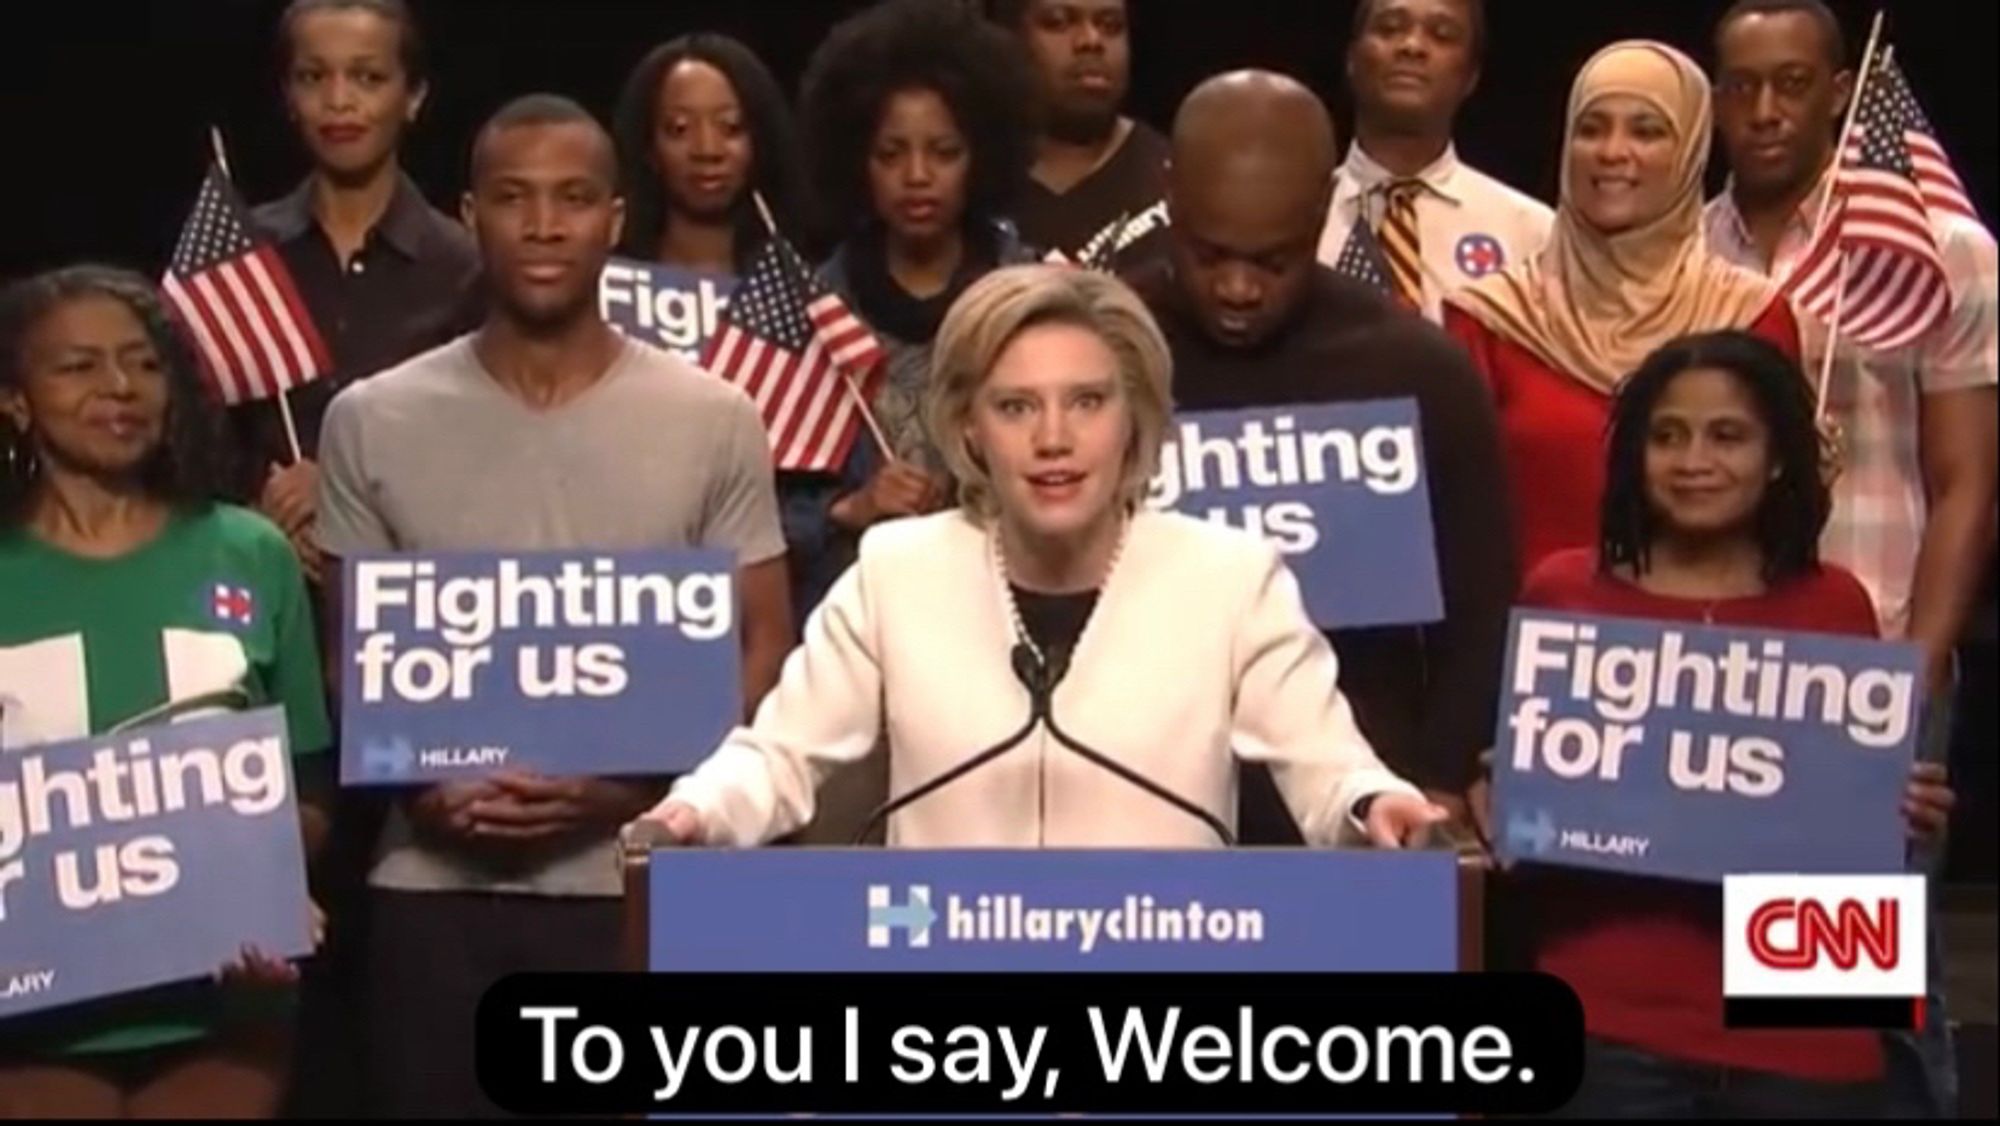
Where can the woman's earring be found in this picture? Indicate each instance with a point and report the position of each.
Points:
(22, 464)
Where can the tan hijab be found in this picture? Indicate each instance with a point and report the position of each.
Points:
(1595, 305)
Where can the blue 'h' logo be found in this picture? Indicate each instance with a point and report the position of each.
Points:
(391, 758)
(1531, 835)
(913, 917)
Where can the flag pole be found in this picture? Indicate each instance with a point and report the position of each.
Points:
(221, 152)
(1831, 189)
(1853, 110)
(284, 395)
(1832, 342)
(846, 377)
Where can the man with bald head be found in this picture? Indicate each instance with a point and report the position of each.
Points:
(542, 430)
(1255, 321)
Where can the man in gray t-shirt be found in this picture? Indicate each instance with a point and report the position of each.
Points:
(545, 429)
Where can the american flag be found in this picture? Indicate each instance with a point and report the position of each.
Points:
(233, 293)
(1893, 177)
(1362, 259)
(805, 359)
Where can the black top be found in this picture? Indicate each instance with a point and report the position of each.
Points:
(1424, 695)
(1054, 621)
(412, 286)
(887, 306)
(1123, 201)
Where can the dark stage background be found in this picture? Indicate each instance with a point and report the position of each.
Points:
(110, 99)
(109, 103)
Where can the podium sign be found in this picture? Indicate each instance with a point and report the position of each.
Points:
(1049, 911)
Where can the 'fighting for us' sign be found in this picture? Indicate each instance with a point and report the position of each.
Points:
(1692, 752)
(561, 663)
(665, 306)
(147, 856)
(1340, 489)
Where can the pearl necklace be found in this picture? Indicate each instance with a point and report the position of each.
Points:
(1007, 585)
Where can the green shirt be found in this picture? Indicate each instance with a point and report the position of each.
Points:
(211, 613)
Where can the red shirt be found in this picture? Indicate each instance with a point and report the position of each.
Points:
(1552, 432)
(1645, 955)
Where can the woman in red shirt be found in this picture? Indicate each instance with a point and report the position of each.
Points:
(1712, 513)
(1624, 271)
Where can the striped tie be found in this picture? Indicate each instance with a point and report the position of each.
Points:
(1399, 242)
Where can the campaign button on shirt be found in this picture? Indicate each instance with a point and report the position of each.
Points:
(1479, 255)
(232, 605)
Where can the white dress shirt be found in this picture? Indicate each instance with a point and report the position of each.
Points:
(1468, 224)
(1199, 646)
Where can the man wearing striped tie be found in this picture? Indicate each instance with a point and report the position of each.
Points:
(1913, 506)
(1410, 65)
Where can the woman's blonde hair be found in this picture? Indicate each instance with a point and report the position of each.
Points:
(1007, 302)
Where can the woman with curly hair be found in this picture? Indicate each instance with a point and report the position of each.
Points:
(701, 127)
(111, 544)
(920, 133)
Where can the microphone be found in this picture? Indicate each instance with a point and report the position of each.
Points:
(1029, 669)
(1042, 677)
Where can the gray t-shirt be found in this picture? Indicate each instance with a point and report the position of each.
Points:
(435, 455)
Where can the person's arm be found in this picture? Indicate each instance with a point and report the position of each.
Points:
(1956, 443)
(804, 501)
(299, 688)
(1477, 575)
(1957, 440)
(825, 712)
(349, 523)
(743, 515)
(1291, 715)
(764, 592)
(1927, 798)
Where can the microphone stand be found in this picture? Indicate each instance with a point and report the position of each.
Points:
(1040, 677)
(1034, 675)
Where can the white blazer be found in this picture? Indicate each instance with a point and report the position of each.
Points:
(1199, 645)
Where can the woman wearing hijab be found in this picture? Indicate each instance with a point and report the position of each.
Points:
(1624, 271)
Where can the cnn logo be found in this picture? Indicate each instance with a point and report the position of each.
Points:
(1794, 934)
(1822, 940)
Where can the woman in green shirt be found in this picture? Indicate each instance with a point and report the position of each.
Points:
(112, 549)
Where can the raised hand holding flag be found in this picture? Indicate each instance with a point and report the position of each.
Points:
(230, 289)
(802, 356)
(1874, 272)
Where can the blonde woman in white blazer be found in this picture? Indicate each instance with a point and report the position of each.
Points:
(1187, 644)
